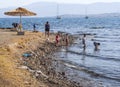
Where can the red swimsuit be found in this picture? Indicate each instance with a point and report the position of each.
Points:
(57, 38)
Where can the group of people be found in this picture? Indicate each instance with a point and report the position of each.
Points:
(64, 38)
(96, 44)
(59, 38)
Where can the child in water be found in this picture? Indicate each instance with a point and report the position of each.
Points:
(57, 39)
(83, 41)
(66, 39)
(96, 44)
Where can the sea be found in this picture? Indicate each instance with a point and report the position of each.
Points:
(103, 65)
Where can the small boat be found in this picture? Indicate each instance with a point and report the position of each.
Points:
(86, 17)
(58, 17)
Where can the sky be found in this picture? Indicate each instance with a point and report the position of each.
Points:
(9, 3)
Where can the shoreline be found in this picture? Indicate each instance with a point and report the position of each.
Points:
(41, 65)
(54, 72)
(41, 69)
(12, 71)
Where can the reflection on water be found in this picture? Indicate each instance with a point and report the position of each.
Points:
(83, 56)
(66, 54)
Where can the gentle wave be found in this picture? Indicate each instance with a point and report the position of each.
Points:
(95, 56)
(87, 70)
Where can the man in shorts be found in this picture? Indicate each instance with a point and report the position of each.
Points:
(47, 29)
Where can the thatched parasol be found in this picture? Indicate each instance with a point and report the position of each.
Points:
(20, 12)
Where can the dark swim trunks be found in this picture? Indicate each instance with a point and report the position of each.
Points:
(47, 29)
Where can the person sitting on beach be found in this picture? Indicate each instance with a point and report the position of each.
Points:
(96, 44)
(15, 25)
(47, 28)
(83, 41)
(57, 38)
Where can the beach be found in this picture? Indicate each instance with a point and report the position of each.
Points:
(14, 71)
(33, 60)
(44, 44)
(39, 69)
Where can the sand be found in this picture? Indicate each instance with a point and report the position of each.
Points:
(12, 46)
(13, 71)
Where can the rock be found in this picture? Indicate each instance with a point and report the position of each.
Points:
(27, 83)
(23, 67)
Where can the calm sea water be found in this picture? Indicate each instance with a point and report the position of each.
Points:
(102, 65)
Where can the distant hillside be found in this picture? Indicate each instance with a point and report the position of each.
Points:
(48, 9)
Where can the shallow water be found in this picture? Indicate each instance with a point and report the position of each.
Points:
(100, 65)
(103, 65)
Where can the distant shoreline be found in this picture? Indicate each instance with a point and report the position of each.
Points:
(109, 14)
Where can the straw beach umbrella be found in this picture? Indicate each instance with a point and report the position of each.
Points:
(20, 12)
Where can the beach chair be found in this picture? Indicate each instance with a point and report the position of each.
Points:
(20, 32)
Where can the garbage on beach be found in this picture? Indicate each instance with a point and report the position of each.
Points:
(27, 55)
(63, 50)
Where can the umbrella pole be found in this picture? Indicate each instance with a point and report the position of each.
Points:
(20, 25)
(20, 18)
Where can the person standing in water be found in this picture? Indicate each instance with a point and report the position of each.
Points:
(66, 39)
(47, 29)
(57, 39)
(34, 27)
(84, 41)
